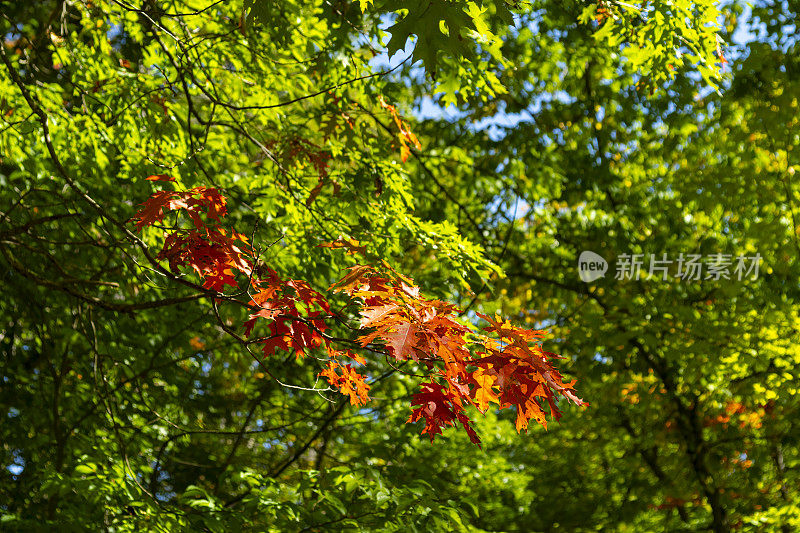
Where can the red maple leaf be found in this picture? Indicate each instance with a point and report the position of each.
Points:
(348, 381)
(152, 210)
(439, 408)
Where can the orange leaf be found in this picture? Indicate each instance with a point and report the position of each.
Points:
(402, 340)
(484, 393)
(353, 246)
(159, 177)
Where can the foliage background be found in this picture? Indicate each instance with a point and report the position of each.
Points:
(547, 128)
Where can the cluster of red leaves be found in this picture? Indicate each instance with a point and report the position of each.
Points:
(347, 380)
(211, 251)
(501, 364)
(296, 316)
(404, 134)
(294, 313)
(193, 202)
(465, 366)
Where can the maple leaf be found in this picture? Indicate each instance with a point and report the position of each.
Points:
(152, 210)
(439, 408)
(433, 407)
(467, 424)
(484, 394)
(422, 19)
(337, 354)
(214, 202)
(308, 295)
(404, 135)
(217, 280)
(402, 339)
(315, 192)
(504, 329)
(279, 338)
(370, 315)
(349, 382)
(329, 372)
(523, 375)
(268, 314)
(404, 153)
(529, 409)
(320, 159)
(209, 200)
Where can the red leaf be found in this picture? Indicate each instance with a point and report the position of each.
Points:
(315, 192)
(152, 210)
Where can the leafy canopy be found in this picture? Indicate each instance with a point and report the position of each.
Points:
(166, 354)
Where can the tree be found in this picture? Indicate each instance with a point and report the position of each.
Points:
(133, 398)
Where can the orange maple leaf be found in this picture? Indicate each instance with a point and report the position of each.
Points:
(484, 393)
